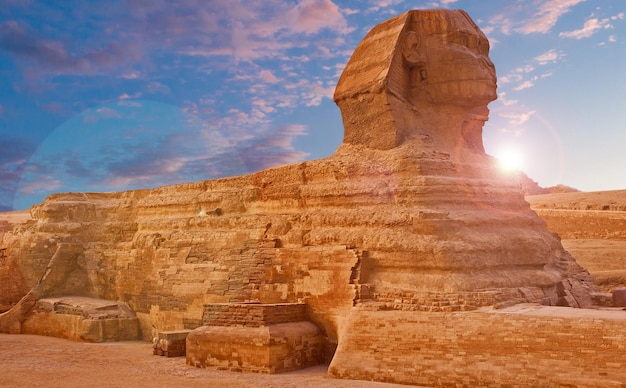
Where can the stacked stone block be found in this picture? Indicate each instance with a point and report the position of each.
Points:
(270, 338)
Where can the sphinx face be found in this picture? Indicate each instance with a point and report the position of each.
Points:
(452, 65)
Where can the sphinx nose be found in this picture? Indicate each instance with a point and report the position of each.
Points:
(487, 62)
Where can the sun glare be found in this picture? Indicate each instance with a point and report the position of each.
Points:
(510, 159)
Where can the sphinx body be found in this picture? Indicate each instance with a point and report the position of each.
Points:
(409, 214)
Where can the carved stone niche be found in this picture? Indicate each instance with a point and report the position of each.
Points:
(418, 75)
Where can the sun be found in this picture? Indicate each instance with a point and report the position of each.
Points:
(510, 159)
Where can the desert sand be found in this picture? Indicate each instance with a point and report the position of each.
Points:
(38, 361)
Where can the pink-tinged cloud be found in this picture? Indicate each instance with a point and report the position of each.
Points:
(40, 55)
(54, 107)
(41, 185)
(517, 118)
(155, 87)
(268, 76)
(100, 114)
(520, 18)
(547, 16)
(590, 27)
(311, 16)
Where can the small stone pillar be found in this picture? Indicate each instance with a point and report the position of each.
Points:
(619, 297)
(171, 343)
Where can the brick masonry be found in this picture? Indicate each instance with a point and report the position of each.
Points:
(525, 345)
(252, 315)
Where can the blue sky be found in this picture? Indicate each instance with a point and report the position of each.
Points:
(116, 95)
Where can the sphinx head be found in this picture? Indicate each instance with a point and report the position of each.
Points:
(447, 59)
(421, 72)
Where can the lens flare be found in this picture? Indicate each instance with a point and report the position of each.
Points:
(510, 159)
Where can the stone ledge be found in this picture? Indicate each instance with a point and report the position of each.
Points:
(252, 314)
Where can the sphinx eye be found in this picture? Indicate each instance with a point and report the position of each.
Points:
(458, 38)
(483, 46)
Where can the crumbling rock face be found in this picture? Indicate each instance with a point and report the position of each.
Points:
(408, 214)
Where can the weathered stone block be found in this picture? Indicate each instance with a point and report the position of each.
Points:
(274, 348)
(602, 298)
(82, 318)
(266, 338)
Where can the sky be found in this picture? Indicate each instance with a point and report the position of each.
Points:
(116, 95)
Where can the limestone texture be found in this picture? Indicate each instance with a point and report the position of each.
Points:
(408, 215)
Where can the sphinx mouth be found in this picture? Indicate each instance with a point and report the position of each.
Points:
(489, 80)
(479, 117)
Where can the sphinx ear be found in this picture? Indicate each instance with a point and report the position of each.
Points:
(411, 49)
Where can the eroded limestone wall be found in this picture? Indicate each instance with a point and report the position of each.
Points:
(409, 228)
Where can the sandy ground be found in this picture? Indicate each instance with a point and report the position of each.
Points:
(36, 361)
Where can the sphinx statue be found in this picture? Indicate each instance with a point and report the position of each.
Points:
(417, 87)
(409, 214)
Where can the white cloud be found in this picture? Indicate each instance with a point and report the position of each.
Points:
(126, 96)
(524, 85)
(549, 56)
(131, 75)
(156, 87)
(505, 101)
(377, 5)
(517, 119)
(516, 75)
